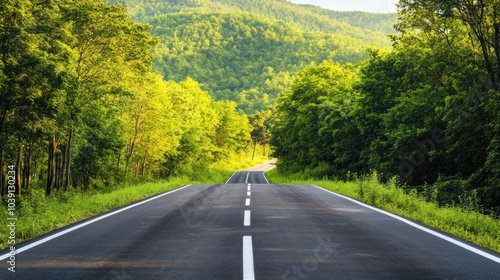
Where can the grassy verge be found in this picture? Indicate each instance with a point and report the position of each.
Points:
(469, 225)
(38, 215)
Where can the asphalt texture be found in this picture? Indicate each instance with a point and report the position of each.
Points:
(295, 232)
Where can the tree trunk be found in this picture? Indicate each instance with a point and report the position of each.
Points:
(86, 181)
(478, 32)
(2, 175)
(132, 142)
(67, 159)
(264, 149)
(118, 161)
(489, 65)
(254, 147)
(3, 113)
(18, 171)
(143, 167)
(51, 165)
(496, 25)
(59, 171)
(28, 162)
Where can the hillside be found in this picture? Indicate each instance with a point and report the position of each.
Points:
(377, 22)
(243, 57)
(249, 51)
(304, 17)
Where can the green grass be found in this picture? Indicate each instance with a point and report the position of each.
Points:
(469, 225)
(38, 214)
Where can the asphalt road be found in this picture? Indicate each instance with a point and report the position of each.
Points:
(248, 229)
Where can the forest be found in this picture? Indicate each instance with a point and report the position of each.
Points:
(95, 94)
(239, 57)
(426, 114)
(249, 51)
(369, 27)
(82, 108)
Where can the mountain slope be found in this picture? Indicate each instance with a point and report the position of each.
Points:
(307, 18)
(249, 51)
(243, 57)
(379, 22)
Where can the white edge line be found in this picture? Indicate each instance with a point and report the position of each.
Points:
(248, 267)
(264, 175)
(231, 176)
(50, 237)
(247, 202)
(246, 180)
(432, 232)
(246, 221)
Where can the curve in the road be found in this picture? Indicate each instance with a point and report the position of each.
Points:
(248, 177)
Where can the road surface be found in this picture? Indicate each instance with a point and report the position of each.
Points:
(248, 229)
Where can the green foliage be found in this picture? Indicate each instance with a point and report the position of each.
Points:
(32, 70)
(368, 27)
(232, 131)
(320, 93)
(243, 57)
(425, 113)
(248, 51)
(378, 22)
(76, 77)
(262, 123)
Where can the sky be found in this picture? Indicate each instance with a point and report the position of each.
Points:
(377, 6)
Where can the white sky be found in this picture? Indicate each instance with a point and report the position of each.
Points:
(378, 6)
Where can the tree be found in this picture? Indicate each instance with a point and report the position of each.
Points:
(480, 18)
(471, 32)
(197, 119)
(261, 133)
(150, 121)
(110, 49)
(232, 131)
(32, 83)
(297, 140)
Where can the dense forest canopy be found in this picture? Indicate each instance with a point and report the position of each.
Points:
(82, 108)
(242, 57)
(248, 51)
(360, 25)
(374, 22)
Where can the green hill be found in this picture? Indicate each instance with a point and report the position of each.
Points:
(249, 51)
(378, 22)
